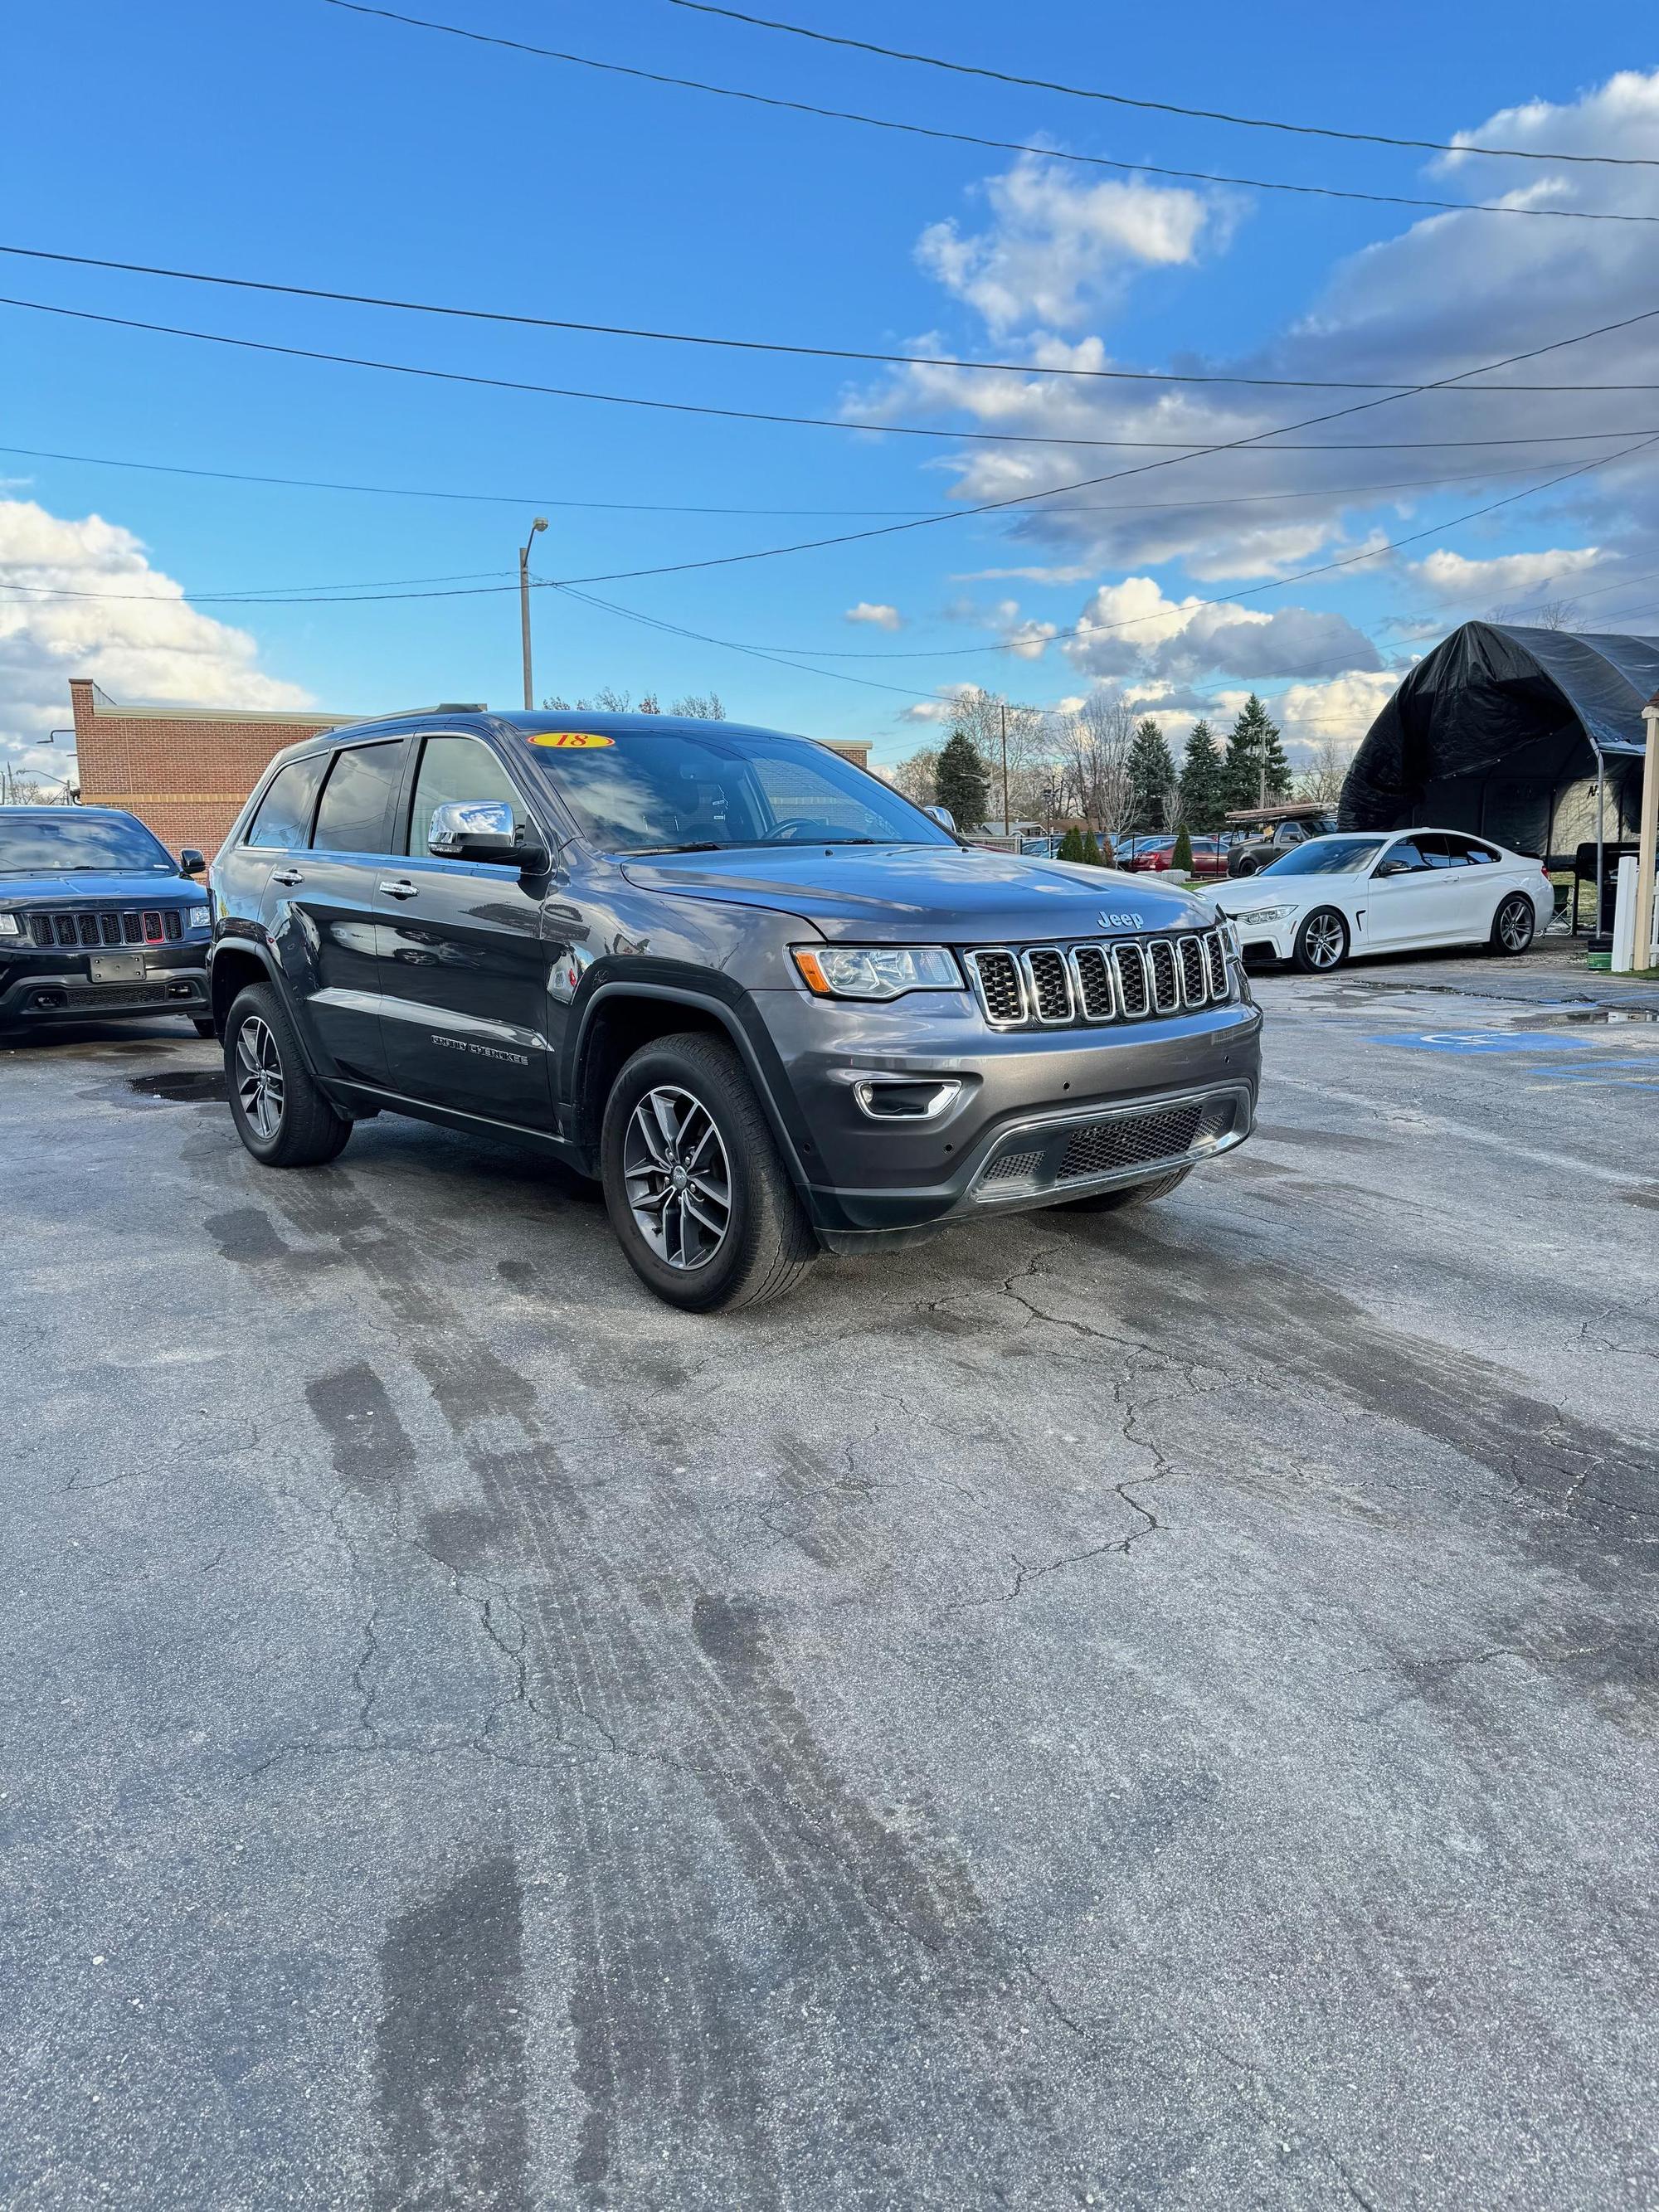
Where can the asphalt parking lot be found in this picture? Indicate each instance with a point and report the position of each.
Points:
(1143, 1712)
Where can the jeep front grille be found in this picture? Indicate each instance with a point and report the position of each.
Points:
(85, 927)
(1111, 980)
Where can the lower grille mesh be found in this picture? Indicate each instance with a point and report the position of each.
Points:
(1129, 1142)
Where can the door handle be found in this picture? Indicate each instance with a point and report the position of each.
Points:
(402, 889)
(287, 875)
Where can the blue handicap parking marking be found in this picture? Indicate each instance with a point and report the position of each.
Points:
(1483, 1041)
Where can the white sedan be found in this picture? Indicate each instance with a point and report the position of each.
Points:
(1338, 898)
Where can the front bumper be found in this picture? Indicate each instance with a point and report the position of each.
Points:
(55, 985)
(1025, 1095)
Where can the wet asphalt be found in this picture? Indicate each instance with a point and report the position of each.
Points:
(1154, 1710)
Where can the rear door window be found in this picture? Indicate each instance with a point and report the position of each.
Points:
(1441, 852)
(355, 814)
(1477, 855)
(284, 818)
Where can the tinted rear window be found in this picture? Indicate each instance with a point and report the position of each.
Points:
(355, 814)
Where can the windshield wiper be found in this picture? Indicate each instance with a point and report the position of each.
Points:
(643, 851)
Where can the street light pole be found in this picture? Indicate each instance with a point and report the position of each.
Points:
(540, 523)
(1003, 708)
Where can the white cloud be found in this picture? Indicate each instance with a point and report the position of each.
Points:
(1075, 572)
(1132, 626)
(880, 617)
(1337, 714)
(141, 643)
(1451, 577)
(1056, 248)
(1441, 297)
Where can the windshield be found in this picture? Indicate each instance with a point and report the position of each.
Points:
(703, 790)
(67, 841)
(1327, 856)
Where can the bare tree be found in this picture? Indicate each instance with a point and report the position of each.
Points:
(918, 776)
(990, 718)
(23, 787)
(701, 706)
(1544, 614)
(1092, 744)
(1321, 782)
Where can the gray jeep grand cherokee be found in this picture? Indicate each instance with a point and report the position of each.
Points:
(772, 1006)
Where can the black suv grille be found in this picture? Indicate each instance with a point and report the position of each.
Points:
(1116, 979)
(93, 926)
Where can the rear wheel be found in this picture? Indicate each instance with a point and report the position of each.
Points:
(702, 1207)
(1135, 1193)
(1514, 924)
(281, 1116)
(1322, 942)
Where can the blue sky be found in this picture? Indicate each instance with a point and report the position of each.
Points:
(297, 142)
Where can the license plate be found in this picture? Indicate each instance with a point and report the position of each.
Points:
(117, 967)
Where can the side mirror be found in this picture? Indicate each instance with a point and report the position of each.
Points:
(484, 830)
(1391, 868)
(192, 863)
(943, 816)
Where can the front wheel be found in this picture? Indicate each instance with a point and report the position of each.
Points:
(702, 1207)
(1513, 925)
(1322, 942)
(281, 1116)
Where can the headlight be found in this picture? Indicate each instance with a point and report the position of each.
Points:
(875, 971)
(10, 926)
(1268, 913)
(197, 917)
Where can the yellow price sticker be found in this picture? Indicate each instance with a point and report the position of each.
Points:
(569, 740)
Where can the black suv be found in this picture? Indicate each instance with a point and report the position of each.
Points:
(769, 1003)
(97, 920)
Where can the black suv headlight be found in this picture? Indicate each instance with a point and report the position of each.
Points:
(875, 971)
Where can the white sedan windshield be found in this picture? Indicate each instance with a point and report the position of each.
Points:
(1327, 856)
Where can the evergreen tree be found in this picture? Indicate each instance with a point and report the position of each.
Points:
(1152, 775)
(1180, 860)
(1203, 791)
(961, 781)
(1255, 767)
(1092, 858)
(1070, 846)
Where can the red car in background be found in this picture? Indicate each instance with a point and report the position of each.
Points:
(1158, 855)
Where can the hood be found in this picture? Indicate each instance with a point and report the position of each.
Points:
(920, 895)
(79, 887)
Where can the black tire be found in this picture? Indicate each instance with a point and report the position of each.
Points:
(765, 1247)
(1514, 926)
(203, 1024)
(304, 1131)
(1134, 1194)
(1319, 948)
(1245, 865)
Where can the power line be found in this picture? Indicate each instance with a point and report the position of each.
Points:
(824, 422)
(971, 138)
(1158, 107)
(649, 506)
(984, 506)
(769, 345)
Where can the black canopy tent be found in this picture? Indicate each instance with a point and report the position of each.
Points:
(1534, 737)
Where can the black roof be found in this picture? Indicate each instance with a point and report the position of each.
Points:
(1501, 701)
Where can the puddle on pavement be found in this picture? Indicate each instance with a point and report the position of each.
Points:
(1574, 1017)
(196, 1087)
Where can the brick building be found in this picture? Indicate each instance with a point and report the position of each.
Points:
(184, 771)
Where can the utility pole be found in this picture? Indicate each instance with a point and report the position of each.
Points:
(1008, 826)
(540, 523)
(1647, 851)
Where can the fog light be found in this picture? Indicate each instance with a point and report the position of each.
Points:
(907, 1102)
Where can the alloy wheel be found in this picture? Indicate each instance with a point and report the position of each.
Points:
(677, 1178)
(1515, 924)
(259, 1086)
(1323, 941)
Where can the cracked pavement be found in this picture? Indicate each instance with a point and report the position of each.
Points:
(1143, 1710)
